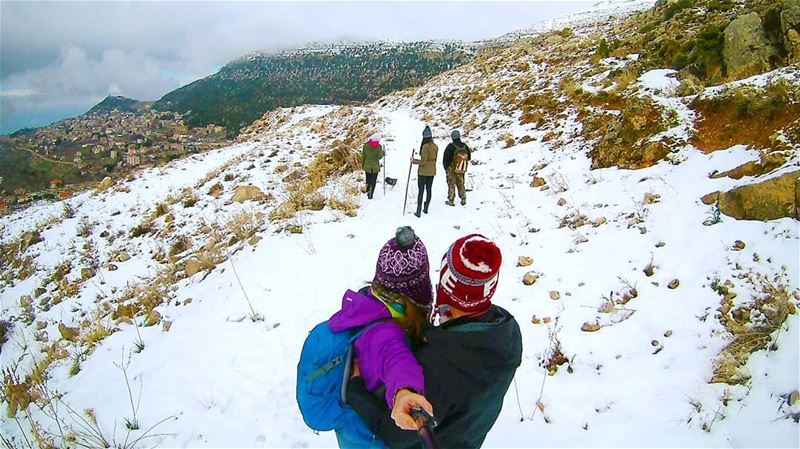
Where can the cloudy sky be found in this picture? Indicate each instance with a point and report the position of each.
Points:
(57, 59)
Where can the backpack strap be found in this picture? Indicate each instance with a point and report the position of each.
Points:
(336, 361)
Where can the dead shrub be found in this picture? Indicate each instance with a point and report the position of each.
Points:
(244, 223)
(750, 325)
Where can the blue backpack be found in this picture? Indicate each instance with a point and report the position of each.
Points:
(322, 376)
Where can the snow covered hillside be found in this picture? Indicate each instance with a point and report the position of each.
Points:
(169, 309)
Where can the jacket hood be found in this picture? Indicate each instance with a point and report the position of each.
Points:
(358, 309)
(480, 347)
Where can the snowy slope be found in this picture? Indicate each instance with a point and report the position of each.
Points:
(224, 380)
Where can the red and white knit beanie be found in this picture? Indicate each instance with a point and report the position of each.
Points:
(469, 274)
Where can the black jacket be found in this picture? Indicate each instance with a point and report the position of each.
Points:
(450, 150)
(469, 364)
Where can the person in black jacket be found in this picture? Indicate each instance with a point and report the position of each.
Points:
(456, 160)
(469, 360)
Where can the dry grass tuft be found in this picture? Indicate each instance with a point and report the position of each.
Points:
(750, 325)
(245, 223)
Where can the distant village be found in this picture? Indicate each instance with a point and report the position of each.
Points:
(109, 143)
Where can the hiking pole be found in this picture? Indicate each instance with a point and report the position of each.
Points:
(384, 174)
(426, 423)
(408, 181)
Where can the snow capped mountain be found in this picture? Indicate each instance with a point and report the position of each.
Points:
(169, 308)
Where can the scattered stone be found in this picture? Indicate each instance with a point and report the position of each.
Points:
(87, 273)
(650, 269)
(668, 333)
(42, 337)
(122, 256)
(25, 301)
(192, 267)
(524, 261)
(580, 239)
(660, 244)
(533, 230)
(546, 320)
(247, 193)
(794, 398)
(607, 307)
(673, 284)
(187, 301)
(68, 333)
(351, 236)
(651, 198)
(254, 240)
(39, 291)
(537, 181)
(40, 325)
(554, 295)
(153, 318)
(599, 222)
(536, 320)
(530, 278)
(111, 267)
(591, 327)
(104, 184)
(294, 229)
(654, 343)
(166, 325)
(562, 202)
(738, 245)
(296, 175)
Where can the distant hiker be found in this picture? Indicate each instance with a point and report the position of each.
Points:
(469, 359)
(456, 159)
(399, 300)
(427, 169)
(371, 155)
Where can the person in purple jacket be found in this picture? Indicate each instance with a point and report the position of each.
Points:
(400, 299)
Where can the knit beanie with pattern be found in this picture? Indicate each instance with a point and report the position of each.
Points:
(469, 274)
(403, 267)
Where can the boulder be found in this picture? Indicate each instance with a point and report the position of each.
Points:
(746, 50)
(767, 200)
(247, 193)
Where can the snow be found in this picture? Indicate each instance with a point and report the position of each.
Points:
(222, 380)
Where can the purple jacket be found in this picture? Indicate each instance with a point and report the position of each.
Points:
(382, 351)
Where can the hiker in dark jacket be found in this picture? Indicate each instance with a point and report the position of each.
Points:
(469, 360)
(371, 155)
(427, 169)
(456, 159)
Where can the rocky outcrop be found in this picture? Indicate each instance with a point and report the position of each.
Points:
(767, 200)
(790, 25)
(746, 50)
(626, 144)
